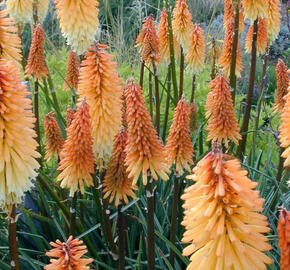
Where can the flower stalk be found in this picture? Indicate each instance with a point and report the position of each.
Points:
(181, 74)
(246, 118)
(166, 113)
(122, 243)
(157, 97)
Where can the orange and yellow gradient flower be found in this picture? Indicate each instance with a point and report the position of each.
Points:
(68, 255)
(144, 151)
(223, 223)
(284, 239)
(100, 84)
(254, 9)
(72, 72)
(20, 10)
(273, 19)
(77, 158)
(18, 154)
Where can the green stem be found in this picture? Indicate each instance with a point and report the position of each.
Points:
(12, 238)
(172, 57)
(233, 77)
(174, 218)
(36, 113)
(167, 106)
(142, 73)
(150, 95)
(73, 212)
(150, 225)
(193, 88)
(246, 118)
(122, 243)
(181, 78)
(157, 97)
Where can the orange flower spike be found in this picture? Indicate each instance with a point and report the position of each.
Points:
(36, 66)
(100, 84)
(144, 151)
(224, 227)
(222, 125)
(10, 42)
(148, 41)
(77, 158)
(196, 52)
(179, 149)
(182, 24)
(79, 22)
(53, 136)
(285, 130)
(262, 39)
(68, 255)
(164, 39)
(20, 10)
(227, 52)
(273, 19)
(282, 85)
(254, 9)
(284, 239)
(18, 165)
(72, 72)
(229, 15)
(117, 185)
(69, 116)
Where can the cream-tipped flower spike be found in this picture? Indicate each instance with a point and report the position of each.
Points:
(36, 65)
(20, 10)
(144, 151)
(222, 124)
(285, 130)
(18, 154)
(182, 24)
(68, 255)
(10, 42)
(164, 39)
(196, 52)
(223, 223)
(254, 9)
(283, 229)
(227, 53)
(77, 158)
(100, 84)
(54, 140)
(282, 85)
(117, 185)
(262, 38)
(273, 19)
(179, 149)
(78, 22)
(42, 8)
(148, 42)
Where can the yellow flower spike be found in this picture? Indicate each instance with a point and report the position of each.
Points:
(254, 9)
(42, 9)
(77, 158)
(68, 255)
(100, 84)
(227, 52)
(78, 22)
(36, 65)
(222, 124)
(196, 52)
(148, 41)
(10, 42)
(144, 151)
(18, 154)
(285, 129)
(262, 38)
(273, 19)
(164, 39)
(117, 185)
(182, 24)
(54, 140)
(223, 223)
(179, 149)
(20, 10)
(282, 85)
